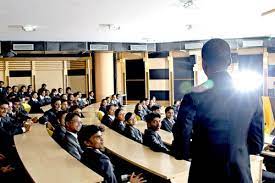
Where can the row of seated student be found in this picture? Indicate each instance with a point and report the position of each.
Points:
(12, 122)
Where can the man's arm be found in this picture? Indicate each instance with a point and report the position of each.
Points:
(182, 129)
(255, 139)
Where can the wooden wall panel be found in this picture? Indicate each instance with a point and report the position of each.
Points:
(53, 78)
(75, 64)
(77, 83)
(19, 65)
(20, 81)
(2, 76)
(158, 63)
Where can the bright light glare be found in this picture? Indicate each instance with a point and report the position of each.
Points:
(247, 80)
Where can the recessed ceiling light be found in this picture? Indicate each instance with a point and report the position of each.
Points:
(109, 27)
(29, 28)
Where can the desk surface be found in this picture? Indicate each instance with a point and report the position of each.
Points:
(46, 108)
(46, 161)
(158, 163)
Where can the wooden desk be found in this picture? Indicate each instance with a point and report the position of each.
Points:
(46, 108)
(46, 161)
(157, 163)
(166, 137)
(37, 115)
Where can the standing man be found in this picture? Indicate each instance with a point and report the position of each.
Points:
(224, 123)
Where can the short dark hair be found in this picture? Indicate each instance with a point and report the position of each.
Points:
(62, 100)
(87, 131)
(168, 109)
(216, 53)
(68, 88)
(108, 107)
(16, 99)
(70, 116)
(74, 107)
(2, 82)
(155, 107)
(128, 116)
(43, 85)
(60, 114)
(118, 111)
(150, 117)
(54, 99)
(4, 101)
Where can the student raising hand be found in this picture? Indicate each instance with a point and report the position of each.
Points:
(136, 178)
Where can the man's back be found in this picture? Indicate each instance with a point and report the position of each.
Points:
(227, 127)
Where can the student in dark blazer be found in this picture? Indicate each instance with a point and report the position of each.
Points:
(91, 98)
(91, 140)
(18, 113)
(60, 130)
(3, 90)
(51, 115)
(168, 122)
(130, 131)
(71, 143)
(103, 106)
(118, 124)
(35, 104)
(109, 117)
(224, 123)
(151, 138)
(8, 124)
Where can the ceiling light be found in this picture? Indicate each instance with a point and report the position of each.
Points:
(109, 27)
(186, 3)
(29, 28)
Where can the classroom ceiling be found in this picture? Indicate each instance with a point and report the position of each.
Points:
(135, 21)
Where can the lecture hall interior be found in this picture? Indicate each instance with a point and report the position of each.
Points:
(157, 91)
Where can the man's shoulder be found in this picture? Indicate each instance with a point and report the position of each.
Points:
(207, 85)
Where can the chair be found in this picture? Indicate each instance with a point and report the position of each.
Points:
(268, 115)
(100, 115)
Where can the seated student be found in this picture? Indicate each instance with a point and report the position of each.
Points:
(91, 98)
(155, 109)
(70, 143)
(176, 107)
(60, 130)
(118, 124)
(151, 104)
(114, 99)
(76, 109)
(35, 103)
(8, 91)
(14, 93)
(43, 88)
(91, 140)
(41, 97)
(54, 93)
(109, 117)
(168, 122)
(64, 105)
(103, 105)
(47, 98)
(29, 91)
(59, 92)
(139, 111)
(77, 100)
(151, 138)
(7, 124)
(22, 91)
(2, 89)
(68, 90)
(108, 100)
(64, 97)
(145, 104)
(51, 115)
(18, 113)
(119, 100)
(71, 100)
(130, 131)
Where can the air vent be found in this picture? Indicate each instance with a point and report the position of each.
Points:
(252, 43)
(98, 47)
(141, 47)
(24, 47)
(192, 46)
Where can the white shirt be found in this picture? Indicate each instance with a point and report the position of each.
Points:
(74, 134)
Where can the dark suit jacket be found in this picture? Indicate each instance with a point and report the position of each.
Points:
(166, 125)
(106, 120)
(20, 116)
(10, 127)
(118, 126)
(103, 109)
(153, 140)
(225, 126)
(3, 91)
(90, 100)
(35, 106)
(72, 145)
(51, 116)
(59, 134)
(133, 133)
(100, 163)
